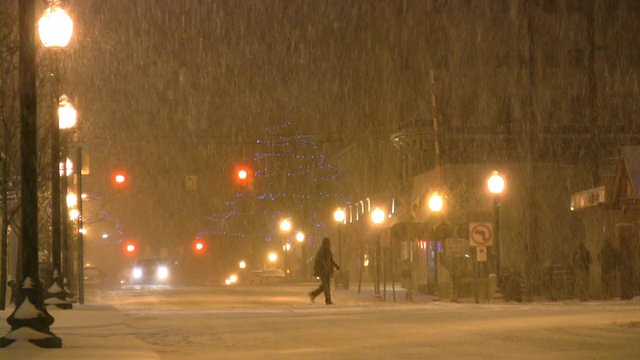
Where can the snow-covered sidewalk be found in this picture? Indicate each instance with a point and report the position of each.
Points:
(93, 331)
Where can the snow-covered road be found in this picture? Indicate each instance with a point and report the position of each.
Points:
(277, 322)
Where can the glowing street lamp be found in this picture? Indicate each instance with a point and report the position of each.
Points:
(67, 114)
(242, 264)
(285, 225)
(55, 27)
(72, 200)
(377, 216)
(495, 184)
(436, 202)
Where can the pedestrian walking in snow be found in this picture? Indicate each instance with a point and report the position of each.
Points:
(323, 268)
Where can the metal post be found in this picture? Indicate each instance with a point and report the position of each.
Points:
(361, 261)
(80, 235)
(392, 268)
(56, 288)
(5, 234)
(29, 311)
(377, 270)
(496, 233)
(436, 132)
(339, 245)
(64, 217)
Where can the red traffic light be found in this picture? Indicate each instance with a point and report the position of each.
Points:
(119, 179)
(130, 248)
(199, 246)
(243, 177)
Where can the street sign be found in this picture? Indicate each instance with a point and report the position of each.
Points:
(481, 253)
(480, 234)
(455, 247)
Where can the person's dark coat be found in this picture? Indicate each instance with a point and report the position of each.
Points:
(324, 264)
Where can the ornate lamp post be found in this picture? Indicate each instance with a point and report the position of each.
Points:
(30, 319)
(339, 216)
(55, 28)
(436, 203)
(67, 120)
(495, 184)
(56, 293)
(303, 263)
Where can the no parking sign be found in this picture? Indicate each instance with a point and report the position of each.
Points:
(480, 234)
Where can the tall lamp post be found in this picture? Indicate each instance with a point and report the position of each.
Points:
(68, 120)
(55, 28)
(339, 215)
(495, 184)
(30, 319)
(303, 257)
(436, 203)
(377, 216)
(285, 227)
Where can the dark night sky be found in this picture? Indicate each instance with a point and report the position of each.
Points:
(159, 82)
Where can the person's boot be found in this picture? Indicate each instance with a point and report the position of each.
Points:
(312, 298)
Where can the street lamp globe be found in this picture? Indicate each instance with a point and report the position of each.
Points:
(300, 236)
(242, 264)
(72, 200)
(273, 257)
(285, 225)
(67, 114)
(436, 202)
(495, 183)
(55, 27)
(68, 164)
(339, 215)
(377, 216)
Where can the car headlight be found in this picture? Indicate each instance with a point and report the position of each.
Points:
(163, 272)
(137, 273)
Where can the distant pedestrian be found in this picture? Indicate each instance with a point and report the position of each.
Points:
(581, 263)
(323, 268)
(407, 268)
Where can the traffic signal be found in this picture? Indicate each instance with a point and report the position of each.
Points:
(119, 179)
(130, 248)
(243, 178)
(199, 247)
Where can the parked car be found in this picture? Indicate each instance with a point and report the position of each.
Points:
(267, 276)
(93, 276)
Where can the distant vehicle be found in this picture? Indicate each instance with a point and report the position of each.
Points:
(267, 276)
(150, 271)
(93, 276)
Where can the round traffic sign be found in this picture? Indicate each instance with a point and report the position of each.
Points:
(480, 234)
